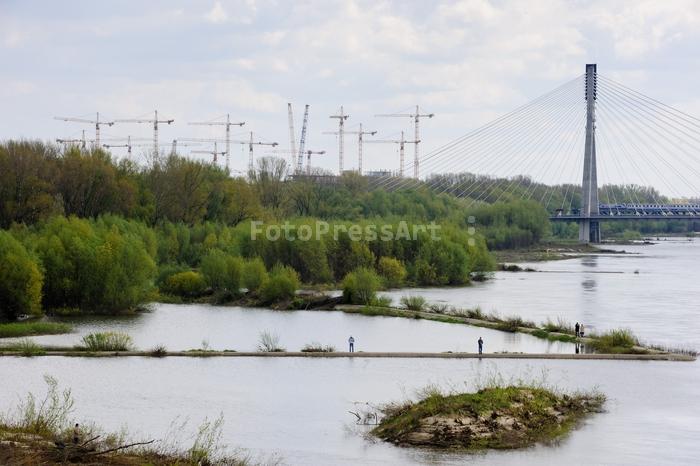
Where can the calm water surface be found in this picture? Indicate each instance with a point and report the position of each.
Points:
(298, 407)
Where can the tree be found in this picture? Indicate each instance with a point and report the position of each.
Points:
(254, 274)
(221, 271)
(282, 284)
(20, 280)
(360, 286)
(392, 270)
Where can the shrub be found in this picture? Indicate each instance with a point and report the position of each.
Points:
(221, 271)
(27, 347)
(188, 284)
(360, 286)
(254, 274)
(269, 343)
(392, 270)
(439, 308)
(282, 284)
(315, 347)
(20, 280)
(413, 303)
(615, 341)
(381, 301)
(158, 351)
(560, 326)
(512, 324)
(107, 341)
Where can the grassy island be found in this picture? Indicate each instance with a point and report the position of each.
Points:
(492, 418)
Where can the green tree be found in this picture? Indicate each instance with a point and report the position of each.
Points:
(20, 280)
(360, 286)
(254, 274)
(282, 284)
(392, 270)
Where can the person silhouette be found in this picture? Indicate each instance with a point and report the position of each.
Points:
(351, 343)
(481, 345)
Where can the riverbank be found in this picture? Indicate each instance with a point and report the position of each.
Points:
(549, 251)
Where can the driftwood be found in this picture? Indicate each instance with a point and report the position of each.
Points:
(122, 447)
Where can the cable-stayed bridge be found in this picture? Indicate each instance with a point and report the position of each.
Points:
(555, 149)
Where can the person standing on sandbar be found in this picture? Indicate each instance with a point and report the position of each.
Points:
(351, 343)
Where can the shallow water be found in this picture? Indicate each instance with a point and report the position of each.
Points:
(298, 407)
(182, 327)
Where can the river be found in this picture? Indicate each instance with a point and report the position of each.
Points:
(298, 408)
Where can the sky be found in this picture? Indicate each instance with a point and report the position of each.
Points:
(466, 61)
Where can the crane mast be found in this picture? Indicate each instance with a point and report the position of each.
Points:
(416, 122)
(341, 131)
(96, 122)
(292, 141)
(228, 125)
(302, 141)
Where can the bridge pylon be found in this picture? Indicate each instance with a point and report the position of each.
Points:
(589, 230)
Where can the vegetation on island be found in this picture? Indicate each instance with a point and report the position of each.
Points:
(500, 417)
(41, 430)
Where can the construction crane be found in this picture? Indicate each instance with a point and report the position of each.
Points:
(401, 142)
(96, 122)
(309, 153)
(154, 122)
(292, 141)
(228, 125)
(302, 141)
(215, 152)
(360, 135)
(341, 131)
(173, 148)
(416, 122)
(250, 143)
(128, 146)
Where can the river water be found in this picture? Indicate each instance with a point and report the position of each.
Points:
(298, 408)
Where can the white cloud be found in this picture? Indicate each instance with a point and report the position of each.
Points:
(217, 14)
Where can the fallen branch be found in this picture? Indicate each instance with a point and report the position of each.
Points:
(111, 450)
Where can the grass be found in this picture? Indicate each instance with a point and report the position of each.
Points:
(512, 324)
(25, 347)
(541, 333)
(560, 326)
(269, 343)
(158, 351)
(614, 341)
(315, 347)
(107, 341)
(40, 431)
(470, 421)
(24, 329)
(413, 303)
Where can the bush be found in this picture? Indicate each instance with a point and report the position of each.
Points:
(28, 348)
(221, 271)
(282, 284)
(615, 341)
(381, 301)
(317, 348)
(269, 343)
(21, 280)
(254, 274)
(188, 284)
(413, 303)
(360, 286)
(107, 341)
(392, 270)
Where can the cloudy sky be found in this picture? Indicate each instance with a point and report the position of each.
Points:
(467, 61)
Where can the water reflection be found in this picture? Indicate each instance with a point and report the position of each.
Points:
(588, 284)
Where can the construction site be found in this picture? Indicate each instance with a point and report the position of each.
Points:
(300, 154)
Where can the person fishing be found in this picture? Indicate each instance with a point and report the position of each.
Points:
(576, 328)
(481, 345)
(351, 343)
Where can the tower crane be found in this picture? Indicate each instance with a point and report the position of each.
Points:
(309, 153)
(341, 131)
(250, 143)
(228, 125)
(96, 122)
(215, 152)
(292, 141)
(173, 149)
(416, 122)
(302, 141)
(401, 142)
(360, 133)
(154, 122)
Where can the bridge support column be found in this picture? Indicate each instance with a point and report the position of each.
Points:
(589, 230)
